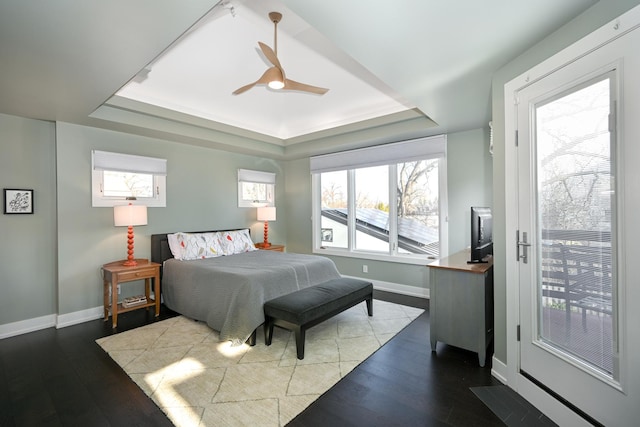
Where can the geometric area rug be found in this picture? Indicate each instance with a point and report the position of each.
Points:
(199, 381)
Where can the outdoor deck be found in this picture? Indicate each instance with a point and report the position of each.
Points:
(593, 343)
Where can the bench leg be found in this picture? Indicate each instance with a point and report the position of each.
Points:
(370, 306)
(300, 334)
(268, 331)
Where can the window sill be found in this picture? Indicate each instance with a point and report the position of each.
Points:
(399, 259)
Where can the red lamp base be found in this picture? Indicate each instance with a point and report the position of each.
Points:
(131, 261)
(265, 243)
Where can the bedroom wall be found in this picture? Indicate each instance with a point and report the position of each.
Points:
(201, 195)
(27, 253)
(469, 175)
(593, 18)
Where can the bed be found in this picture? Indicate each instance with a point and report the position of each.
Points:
(228, 292)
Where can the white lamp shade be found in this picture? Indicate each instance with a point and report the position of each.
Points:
(127, 215)
(267, 213)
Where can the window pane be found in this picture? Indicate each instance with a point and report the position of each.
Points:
(123, 184)
(254, 192)
(418, 208)
(576, 207)
(372, 208)
(334, 207)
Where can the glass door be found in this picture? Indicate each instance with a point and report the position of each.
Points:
(575, 213)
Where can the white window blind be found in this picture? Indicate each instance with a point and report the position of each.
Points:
(104, 160)
(387, 154)
(260, 177)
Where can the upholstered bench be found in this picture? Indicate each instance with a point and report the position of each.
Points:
(300, 310)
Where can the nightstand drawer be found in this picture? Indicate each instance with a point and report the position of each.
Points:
(277, 248)
(138, 274)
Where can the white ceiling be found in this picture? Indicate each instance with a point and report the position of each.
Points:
(85, 61)
(220, 54)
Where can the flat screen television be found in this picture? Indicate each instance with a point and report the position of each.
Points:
(481, 234)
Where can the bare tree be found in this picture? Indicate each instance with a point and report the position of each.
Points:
(413, 180)
(333, 196)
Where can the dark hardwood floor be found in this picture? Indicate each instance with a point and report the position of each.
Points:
(61, 377)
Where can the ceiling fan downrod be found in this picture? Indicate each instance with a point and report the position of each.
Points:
(275, 18)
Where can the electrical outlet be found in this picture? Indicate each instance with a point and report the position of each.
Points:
(365, 268)
(119, 290)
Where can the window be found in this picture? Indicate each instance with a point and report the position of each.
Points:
(256, 188)
(116, 177)
(384, 202)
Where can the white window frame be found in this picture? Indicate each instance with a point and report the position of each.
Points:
(390, 155)
(118, 162)
(252, 177)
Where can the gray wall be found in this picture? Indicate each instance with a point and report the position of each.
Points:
(28, 249)
(201, 195)
(71, 240)
(469, 176)
(593, 18)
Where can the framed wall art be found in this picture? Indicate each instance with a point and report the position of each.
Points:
(18, 201)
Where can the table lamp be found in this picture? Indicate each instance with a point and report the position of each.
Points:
(128, 216)
(266, 214)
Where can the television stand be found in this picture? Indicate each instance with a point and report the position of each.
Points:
(477, 261)
(461, 305)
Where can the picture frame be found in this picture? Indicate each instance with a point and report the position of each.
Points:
(17, 201)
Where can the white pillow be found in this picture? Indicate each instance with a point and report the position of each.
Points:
(237, 242)
(200, 245)
(174, 245)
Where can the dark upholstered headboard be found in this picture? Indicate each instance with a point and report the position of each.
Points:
(160, 251)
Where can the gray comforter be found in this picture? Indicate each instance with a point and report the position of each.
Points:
(228, 292)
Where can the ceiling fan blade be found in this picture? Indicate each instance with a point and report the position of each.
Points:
(243, 88)
(293, 85)
(271, 74)
(271, 56)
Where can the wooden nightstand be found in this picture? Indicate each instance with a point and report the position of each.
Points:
(116, 273)
(277, 248)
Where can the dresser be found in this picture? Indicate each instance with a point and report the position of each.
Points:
(461, 303)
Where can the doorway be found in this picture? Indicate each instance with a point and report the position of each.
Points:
(576, 134)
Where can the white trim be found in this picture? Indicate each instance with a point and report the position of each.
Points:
(499, 370)
(70, 319)
(400, 259)
(50, 321)
(396, 288)
(26, 326)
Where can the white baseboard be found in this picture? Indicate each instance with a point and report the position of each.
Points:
(26, 326)
(81, 316)
(396, 288)
(70, 319)
(499, 370)
(51, 320)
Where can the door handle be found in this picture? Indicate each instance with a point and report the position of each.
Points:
(524, 244)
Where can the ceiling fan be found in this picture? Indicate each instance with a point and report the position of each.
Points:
(275, 77)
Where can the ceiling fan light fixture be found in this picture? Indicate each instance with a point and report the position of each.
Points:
(276, 84)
